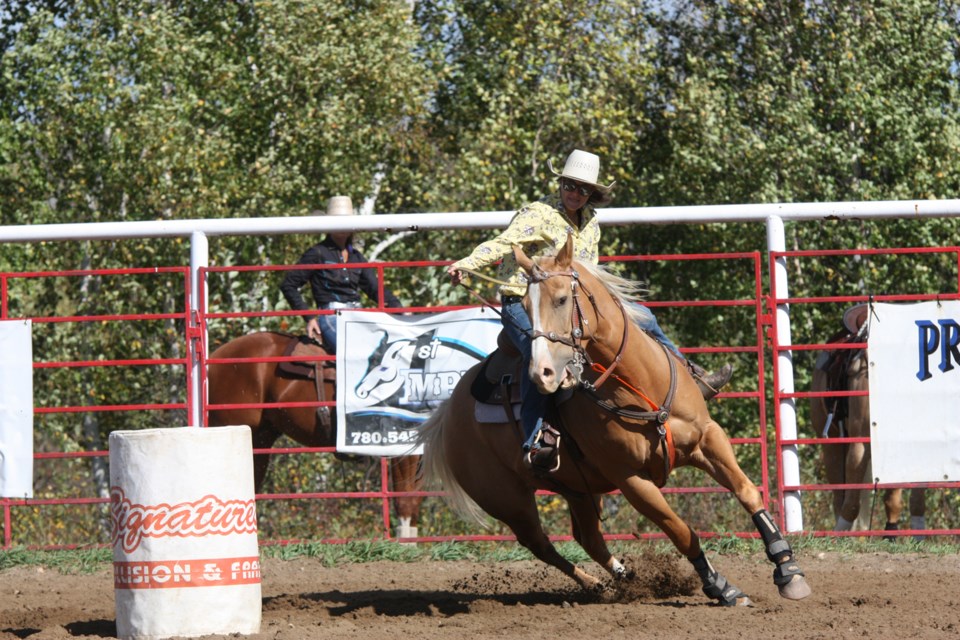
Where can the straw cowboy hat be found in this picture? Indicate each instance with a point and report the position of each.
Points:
(855, 316)
(340, 206)
(584, 167)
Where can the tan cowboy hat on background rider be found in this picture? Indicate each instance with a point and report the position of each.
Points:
(855, 316)
(340, 206)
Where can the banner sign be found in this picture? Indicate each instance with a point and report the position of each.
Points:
(16, 409)
(914, 353)
(393, 371)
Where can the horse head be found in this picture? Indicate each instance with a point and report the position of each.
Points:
(383, 377)
(556, 316)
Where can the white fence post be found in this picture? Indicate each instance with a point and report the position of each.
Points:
(789, 461)
(196, 333)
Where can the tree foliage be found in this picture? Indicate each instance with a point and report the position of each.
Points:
(113, 110)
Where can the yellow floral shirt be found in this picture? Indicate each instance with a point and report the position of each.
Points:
(540, 228)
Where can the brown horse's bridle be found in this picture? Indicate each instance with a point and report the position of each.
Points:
(577, 323)
(576, 340)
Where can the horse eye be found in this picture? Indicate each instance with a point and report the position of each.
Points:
(562, 301)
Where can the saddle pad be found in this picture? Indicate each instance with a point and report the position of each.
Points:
(493, 413)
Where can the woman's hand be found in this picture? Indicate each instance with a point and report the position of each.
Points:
(456, 276)
(313, 330)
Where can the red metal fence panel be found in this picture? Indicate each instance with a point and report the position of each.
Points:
(816, 306)
(69, 509)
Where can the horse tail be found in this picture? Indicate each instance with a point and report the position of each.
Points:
(435, 470)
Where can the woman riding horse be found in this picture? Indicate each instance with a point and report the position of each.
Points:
(539, 228)
(585, 338)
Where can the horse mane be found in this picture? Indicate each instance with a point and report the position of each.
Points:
(628, 292)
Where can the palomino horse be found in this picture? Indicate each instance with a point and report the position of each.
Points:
(263, 382)
(849, 416)
(614, 437)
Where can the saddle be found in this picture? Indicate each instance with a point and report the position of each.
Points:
(306, 347)
(498, 382)
(835, 363)
(497, 387)
(318, 371)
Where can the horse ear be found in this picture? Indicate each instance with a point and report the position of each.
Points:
(525, 263)
(565, 257)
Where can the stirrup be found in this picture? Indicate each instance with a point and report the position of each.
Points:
(544, 455)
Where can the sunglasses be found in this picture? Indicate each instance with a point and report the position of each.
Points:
(579, 188)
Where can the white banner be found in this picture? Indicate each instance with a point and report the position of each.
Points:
(393, 371)
(16, 409)
(914, 354)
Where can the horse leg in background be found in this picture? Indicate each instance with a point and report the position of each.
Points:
(834, 456)
(263, 438)
(918, 511)
(893, 502)
(856, 463)
(716, 457)
(892, 506)
(403, 472)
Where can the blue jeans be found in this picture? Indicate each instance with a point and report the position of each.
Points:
(533, 404)
(648, 322)
(328, 329)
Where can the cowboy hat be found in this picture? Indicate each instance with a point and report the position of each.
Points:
(583, 167)
(340, 206)
(855, 316)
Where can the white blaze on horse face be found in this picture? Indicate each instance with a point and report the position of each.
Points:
(547, 358)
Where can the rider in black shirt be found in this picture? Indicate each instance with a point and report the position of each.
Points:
(333, 288)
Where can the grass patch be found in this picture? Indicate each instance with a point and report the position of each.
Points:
(85, 561)
(79, 561)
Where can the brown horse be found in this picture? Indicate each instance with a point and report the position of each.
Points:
(262, 383)
(614, 437)
(849, 416)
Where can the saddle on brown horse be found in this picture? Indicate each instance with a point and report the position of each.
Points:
(317, 370)
(497, 392)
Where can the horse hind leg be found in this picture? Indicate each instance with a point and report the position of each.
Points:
(404, 479)
(457, 457)
(514, 504)
(918, 511)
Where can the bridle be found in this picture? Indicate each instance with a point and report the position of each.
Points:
(576, 340)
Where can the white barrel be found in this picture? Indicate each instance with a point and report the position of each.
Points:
(185, 555)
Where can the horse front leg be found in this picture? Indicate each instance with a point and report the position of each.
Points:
(647, 499)
(716, 457)
(585, 513)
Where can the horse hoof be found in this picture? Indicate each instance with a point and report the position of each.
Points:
(796, 589)
(744, 601)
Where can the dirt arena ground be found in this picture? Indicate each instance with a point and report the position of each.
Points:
(876, 595)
